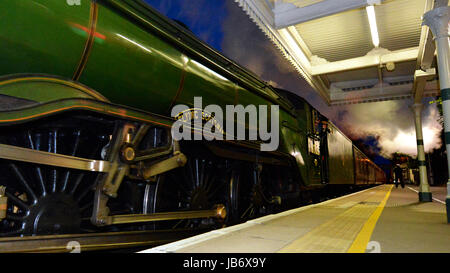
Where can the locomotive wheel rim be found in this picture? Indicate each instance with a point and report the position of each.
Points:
(253, 201)
(46, 199)
(196, 186)
(56, 213)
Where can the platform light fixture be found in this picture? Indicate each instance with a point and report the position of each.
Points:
(373, 25)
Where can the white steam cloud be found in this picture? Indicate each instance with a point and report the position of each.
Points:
(392, 123)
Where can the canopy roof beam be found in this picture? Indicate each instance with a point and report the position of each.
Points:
(420, 80)
(403, 55)
(383, 92)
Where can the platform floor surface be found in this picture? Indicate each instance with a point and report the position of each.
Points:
(380, 219)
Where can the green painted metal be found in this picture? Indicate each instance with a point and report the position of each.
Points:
(41, 36)
(65, 105)
(341, 165)
(50, 96)
(44, 88)
(132, 66)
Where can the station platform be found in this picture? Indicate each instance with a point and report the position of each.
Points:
(380, 219)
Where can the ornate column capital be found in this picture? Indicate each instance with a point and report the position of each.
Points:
(437, 20)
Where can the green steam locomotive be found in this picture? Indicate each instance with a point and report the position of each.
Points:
(86, 93)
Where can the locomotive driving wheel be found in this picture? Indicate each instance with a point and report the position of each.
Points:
(252, 193)
(199, 185)
(44, 199)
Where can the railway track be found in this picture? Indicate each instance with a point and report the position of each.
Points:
(76, 243)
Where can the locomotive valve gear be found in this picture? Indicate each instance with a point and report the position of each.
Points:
(128, 154)
(121, 153)
(276, 200)
(221, 211)
(111, 181)
(118, 170)
(178, 160)
(3, 202)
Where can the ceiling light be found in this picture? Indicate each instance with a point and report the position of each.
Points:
(373, 25)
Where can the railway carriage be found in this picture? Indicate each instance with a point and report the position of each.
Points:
(86, 93)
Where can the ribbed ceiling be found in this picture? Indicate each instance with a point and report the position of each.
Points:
(347, 35)
(337, 37)
(399, 23)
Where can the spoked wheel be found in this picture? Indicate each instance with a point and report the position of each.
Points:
(234, 203)
(254, 194)
(199, 185)
(44, 199)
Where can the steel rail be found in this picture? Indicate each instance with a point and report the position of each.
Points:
(91, 241)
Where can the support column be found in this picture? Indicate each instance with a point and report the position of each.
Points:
(438, 19)
(424, 188)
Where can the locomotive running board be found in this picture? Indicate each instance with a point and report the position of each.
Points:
(58, 160)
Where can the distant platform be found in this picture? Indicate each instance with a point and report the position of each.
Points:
(379, 219)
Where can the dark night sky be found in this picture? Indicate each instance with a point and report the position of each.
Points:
(204, 18)
(386, 127)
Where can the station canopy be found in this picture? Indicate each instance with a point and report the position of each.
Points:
(354, 51)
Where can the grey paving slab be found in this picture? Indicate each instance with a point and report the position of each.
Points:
(408, 226)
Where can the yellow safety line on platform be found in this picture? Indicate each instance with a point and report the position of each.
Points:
(339, 233)
(360, 243)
